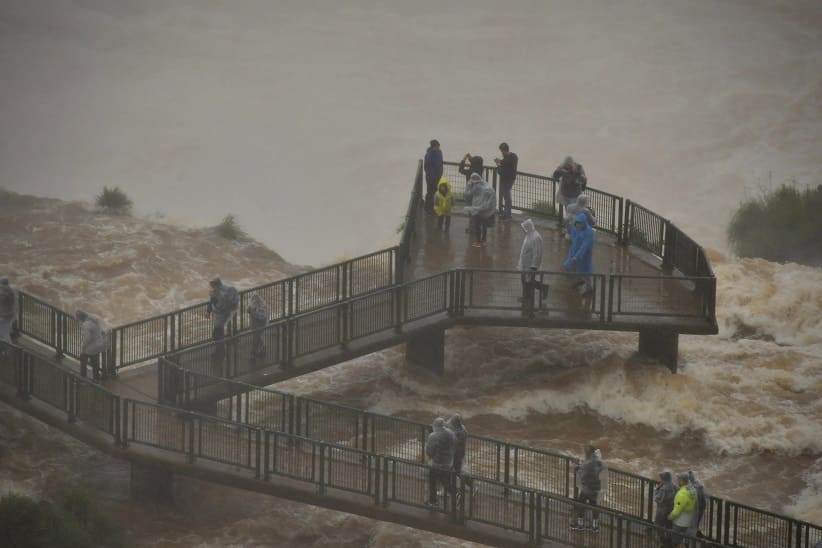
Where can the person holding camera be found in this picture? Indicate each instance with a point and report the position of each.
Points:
(507, 169)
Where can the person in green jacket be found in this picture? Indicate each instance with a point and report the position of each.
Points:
(684, 509)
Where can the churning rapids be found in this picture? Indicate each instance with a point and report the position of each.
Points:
(304, 117)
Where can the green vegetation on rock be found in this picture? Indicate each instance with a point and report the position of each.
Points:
(72, 519)
(230, 229)
(114, 200)
(781, 225)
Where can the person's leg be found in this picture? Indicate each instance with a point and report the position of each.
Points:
(95, 366)
(447, 222)
(476, 228)
(440, 219)
(432, 486)
(483, 229)
(506, 201)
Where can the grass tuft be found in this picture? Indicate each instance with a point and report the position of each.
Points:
(230, 229)
(115, 201)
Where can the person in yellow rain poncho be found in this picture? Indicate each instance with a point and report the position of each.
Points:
(684, 509)
(443, 203)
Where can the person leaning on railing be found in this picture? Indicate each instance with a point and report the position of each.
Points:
(591, 476)
(93, 342)
(440, 450)
(572, 180)
(664, 494)
(684, 511)
(222, 306)
(258, 312)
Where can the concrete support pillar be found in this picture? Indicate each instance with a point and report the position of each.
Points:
(427, 349)
(152, 483)
(660, 344)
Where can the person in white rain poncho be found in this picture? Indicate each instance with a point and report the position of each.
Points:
(592, 482)
(93, 342)
(258, 312)
(530, 260)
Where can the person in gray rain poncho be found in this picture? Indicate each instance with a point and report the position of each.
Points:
(93, 342)
(258, 312)
(664, 494)
(530, 260)
(592, 482)
(8, 310)
(223, 307)
(482, 208)
(575, 208)
(440, 450)
(701, 501)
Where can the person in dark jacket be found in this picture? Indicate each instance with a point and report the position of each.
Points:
(589, 483)
(222, 305)
(8, 310)
(664, 494)
(432, 165)
(440, 450)
(572, 181)
(507, 169)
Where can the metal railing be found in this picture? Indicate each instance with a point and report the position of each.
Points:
(489, 459)
(503, 492)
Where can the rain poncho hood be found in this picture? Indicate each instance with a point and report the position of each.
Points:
(441, 445)
(483, 199)
(581, 206)
(443, 203)
(582, 248)
(530, 254)
(93, 337)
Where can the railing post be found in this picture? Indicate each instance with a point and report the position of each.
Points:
(124, 429)
(400, 304)
(190, 423)
(172, 343)
(258, 453)
(650, 507)
(619, 227)
(538, 520)
(345, 321)
(507, 468)
(610, 297)
(726, 528)
(668, 239)
(59, 335)
(385, 482)
(70, 387)
(116, 419)
(377, 478)
(267, 455)
(322, 469)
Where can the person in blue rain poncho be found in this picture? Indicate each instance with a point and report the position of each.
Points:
(581, 254)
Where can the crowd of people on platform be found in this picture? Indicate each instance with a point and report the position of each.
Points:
(679, 508)
(481, 207)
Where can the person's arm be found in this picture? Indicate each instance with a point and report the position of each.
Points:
(678, 504)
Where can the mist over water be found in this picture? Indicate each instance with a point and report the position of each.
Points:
(306, 119)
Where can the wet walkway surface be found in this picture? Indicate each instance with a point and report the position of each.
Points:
(435, 250)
